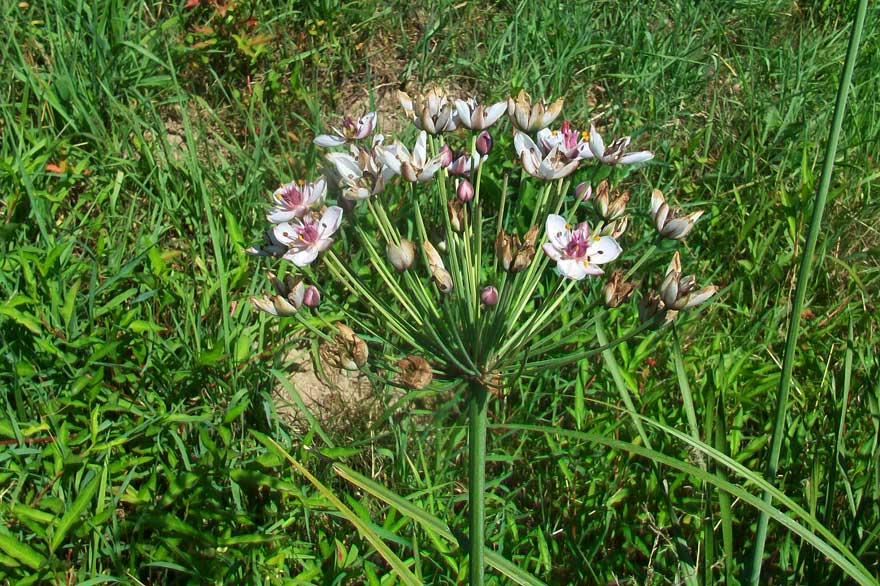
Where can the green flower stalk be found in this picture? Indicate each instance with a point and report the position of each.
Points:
(463, 287)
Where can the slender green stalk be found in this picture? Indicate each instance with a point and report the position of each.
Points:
(687, 398)
(802, 282)
(619, 381)
(477, 481)
(685, 559)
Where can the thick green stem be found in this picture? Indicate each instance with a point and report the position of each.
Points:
(803, 278)
(477, 481)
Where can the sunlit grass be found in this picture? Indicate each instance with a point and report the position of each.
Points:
(137, 146)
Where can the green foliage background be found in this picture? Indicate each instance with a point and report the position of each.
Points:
(139, 144)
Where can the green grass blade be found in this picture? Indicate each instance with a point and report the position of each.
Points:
(433, 524)
(395, 562)
(804, 525)
(21, 552)
(686, 562)
(284, 379)
(72, 515)
(684, 386)
(803, 279)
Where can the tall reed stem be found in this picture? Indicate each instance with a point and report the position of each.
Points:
(802, 282)
(477, 408)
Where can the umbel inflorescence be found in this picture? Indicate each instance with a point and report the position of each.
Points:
(472, 262)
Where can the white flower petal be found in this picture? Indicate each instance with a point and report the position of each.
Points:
(597, 145)
(522, 118)
(392, 156)
(523, 142)
(464, 113)
(566, 170)
(346, 166)
(327, 140)
(548, 140)
(330, 221)
(420, 151)
(637, 157)
(302, 257)
(318, 190)
(593, 270)
(584, 151)
(405, 102)
(366, 125)
(493, 113)
(531, 162)
(356, 193)
(603, 250)
(297, 294)
(551, 251)
(701, 296)
(284, 234)
(677, 228)
(430, 169)
(558, 231)
(573, 269)
(264, 304)
(657, 200)
(280, 215)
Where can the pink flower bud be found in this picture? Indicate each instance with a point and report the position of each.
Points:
(445, 155)
(489, 295)
(461, 166)
(312, 297)
(484, 143)
(465, 191)
(583, 191)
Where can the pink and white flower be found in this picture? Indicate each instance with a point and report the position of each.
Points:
(294, 200)
(307, 237)
(413, 166)
(363, 173)
(576, 252)
(351, 130)
(477, 116)
(547, 166)
(573, 145)
(463, 164)
(615, 153)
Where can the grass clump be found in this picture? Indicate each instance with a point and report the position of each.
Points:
(137, 141)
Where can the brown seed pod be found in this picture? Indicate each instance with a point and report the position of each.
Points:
(415, 372)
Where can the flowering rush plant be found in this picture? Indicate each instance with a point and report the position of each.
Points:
(472, 261)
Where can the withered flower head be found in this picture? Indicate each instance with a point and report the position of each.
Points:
(432, 111)
(617, 290)
(347, 351)
(441, 276)
(531, 116)
(415, 372)
(456, 214)
(667, 220)
(677, 292)
(288, 297)
(516, 255)
(610, 205)
(505, 247)
(526, 252)
(402, 255)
